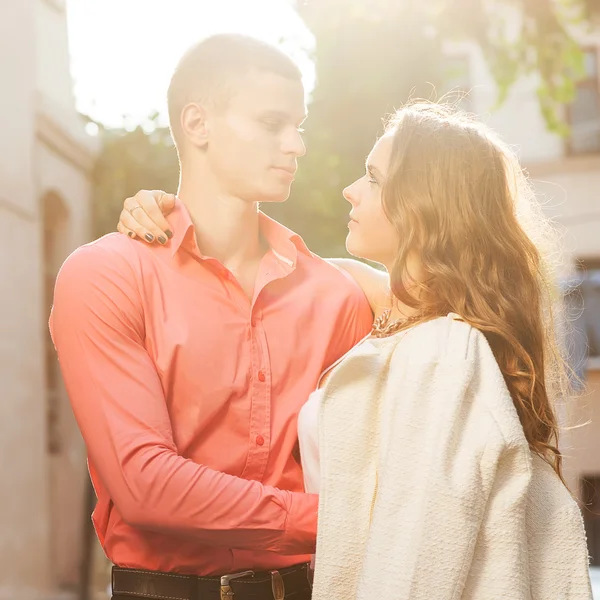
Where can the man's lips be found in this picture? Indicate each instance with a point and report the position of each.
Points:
(289, 170)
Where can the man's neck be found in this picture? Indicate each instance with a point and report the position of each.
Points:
(227, 228)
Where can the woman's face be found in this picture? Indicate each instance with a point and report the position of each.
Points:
(371, 235)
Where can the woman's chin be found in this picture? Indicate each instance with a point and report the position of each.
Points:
(361, 250)
(353, 247)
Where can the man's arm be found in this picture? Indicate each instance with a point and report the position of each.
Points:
(97, 325)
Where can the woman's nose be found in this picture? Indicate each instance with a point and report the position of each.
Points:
(350, 194)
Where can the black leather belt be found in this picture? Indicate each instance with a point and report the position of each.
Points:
(247, 585)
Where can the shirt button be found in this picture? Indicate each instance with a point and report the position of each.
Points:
(261, 376)
(260, 440)
(253, 322)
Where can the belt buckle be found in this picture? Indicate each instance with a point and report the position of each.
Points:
(277, 586)
(226, 591)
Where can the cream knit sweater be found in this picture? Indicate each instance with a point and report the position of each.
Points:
(429, 490)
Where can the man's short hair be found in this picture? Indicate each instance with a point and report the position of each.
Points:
(207, 72)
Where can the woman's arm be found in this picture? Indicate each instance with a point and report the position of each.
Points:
(374, 283)
(143, 216)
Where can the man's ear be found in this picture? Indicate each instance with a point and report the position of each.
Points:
(194, 125)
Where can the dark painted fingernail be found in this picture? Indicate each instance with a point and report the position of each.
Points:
(149, 237)
(169, 233)
(162, 240)
(130, 234)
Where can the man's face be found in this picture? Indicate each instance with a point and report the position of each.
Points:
(254, 141)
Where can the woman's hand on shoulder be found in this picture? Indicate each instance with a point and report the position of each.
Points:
(143, 216)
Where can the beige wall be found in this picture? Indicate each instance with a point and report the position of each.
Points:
(43, 150)
(23, 498)
(24, 522)
(582, 443)
(570, 190)
(67, 474)
(52, 51)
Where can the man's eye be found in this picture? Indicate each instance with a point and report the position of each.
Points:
(272, 125)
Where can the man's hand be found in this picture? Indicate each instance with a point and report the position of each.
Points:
(143, 216)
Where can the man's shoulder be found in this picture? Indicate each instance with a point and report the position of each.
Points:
(333, 277)
(110, 254)
(98, 283)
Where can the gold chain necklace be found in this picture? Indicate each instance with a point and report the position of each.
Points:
(382, 327)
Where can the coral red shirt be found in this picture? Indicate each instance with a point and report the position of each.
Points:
(187, 394)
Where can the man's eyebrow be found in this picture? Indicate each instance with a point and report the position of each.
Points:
(279, 114)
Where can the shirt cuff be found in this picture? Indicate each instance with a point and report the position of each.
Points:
(300, 535)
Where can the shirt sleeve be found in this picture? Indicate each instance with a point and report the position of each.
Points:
(97, 325)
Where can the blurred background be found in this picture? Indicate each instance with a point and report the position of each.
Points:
(83, 126)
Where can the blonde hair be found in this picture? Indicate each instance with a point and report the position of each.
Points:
(460, 201)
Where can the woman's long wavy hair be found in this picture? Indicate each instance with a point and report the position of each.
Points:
(460, 202)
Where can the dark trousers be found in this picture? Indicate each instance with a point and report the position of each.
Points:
(132, 584)
(291, 596)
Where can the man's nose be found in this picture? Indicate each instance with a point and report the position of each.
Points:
(294, 144)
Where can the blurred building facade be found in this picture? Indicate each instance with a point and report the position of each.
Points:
(45, 200)
(566, 175)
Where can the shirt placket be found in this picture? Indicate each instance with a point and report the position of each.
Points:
(261, 377)
(260, 401)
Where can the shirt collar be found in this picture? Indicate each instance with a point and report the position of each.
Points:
(183, 228)
(284, 243)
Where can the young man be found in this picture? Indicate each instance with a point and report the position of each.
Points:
(187, 362)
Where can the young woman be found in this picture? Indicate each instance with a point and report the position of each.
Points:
(434, 443)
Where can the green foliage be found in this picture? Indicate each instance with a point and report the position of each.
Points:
(131, 161)
(370, 58)
(373, 56)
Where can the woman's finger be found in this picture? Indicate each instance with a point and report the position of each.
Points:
(152, 204)
(166, 203)
(122, 229)
(143, 227)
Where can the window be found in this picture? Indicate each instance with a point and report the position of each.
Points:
(584, 112)
(583, 314)
(590, 496)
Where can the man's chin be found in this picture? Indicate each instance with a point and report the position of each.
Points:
(276, 196)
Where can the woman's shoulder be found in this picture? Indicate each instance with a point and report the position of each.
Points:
(449, 354)
(444, 339)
